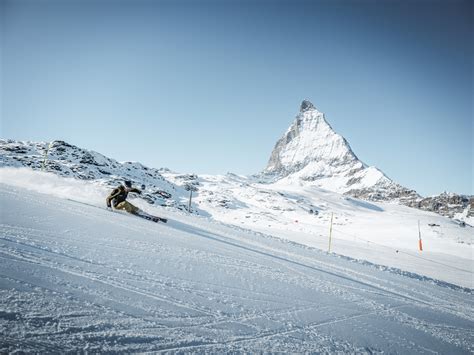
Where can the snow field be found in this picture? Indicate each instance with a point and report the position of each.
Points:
(75, 277)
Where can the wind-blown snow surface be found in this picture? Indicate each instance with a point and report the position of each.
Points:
(76, 277)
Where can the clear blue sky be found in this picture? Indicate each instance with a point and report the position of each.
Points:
(209, 86)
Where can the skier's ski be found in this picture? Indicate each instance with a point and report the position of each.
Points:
(150, 217)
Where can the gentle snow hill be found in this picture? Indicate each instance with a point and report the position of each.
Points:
(78, 278)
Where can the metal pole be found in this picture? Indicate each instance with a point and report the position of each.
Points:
(420, 243)
(46, 155)
(330, 233)
(190, 197)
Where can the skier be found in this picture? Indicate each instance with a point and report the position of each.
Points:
(118, 198)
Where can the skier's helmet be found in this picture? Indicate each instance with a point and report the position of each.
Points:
(128, 183)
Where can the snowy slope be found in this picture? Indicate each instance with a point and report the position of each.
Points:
(75, 277)
(382, 233)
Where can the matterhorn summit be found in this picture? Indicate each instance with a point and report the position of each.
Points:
(311, 152)
(311, 148)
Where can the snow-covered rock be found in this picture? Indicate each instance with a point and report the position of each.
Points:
(448, 204)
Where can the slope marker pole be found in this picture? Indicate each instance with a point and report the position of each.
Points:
(46, 155)
(420, 243)
(190, 197)
(330, 233)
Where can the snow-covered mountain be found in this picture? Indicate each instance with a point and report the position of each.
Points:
(284, 206)
(312, 153)
(240, 274)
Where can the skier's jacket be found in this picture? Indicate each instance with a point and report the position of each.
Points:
(119, 194)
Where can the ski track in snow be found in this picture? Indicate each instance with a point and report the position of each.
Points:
(79, 278)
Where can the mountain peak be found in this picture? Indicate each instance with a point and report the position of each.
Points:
(311, 152)
(306, 105)
(310, 148)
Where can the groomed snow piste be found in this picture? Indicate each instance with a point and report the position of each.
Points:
(76, 277)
